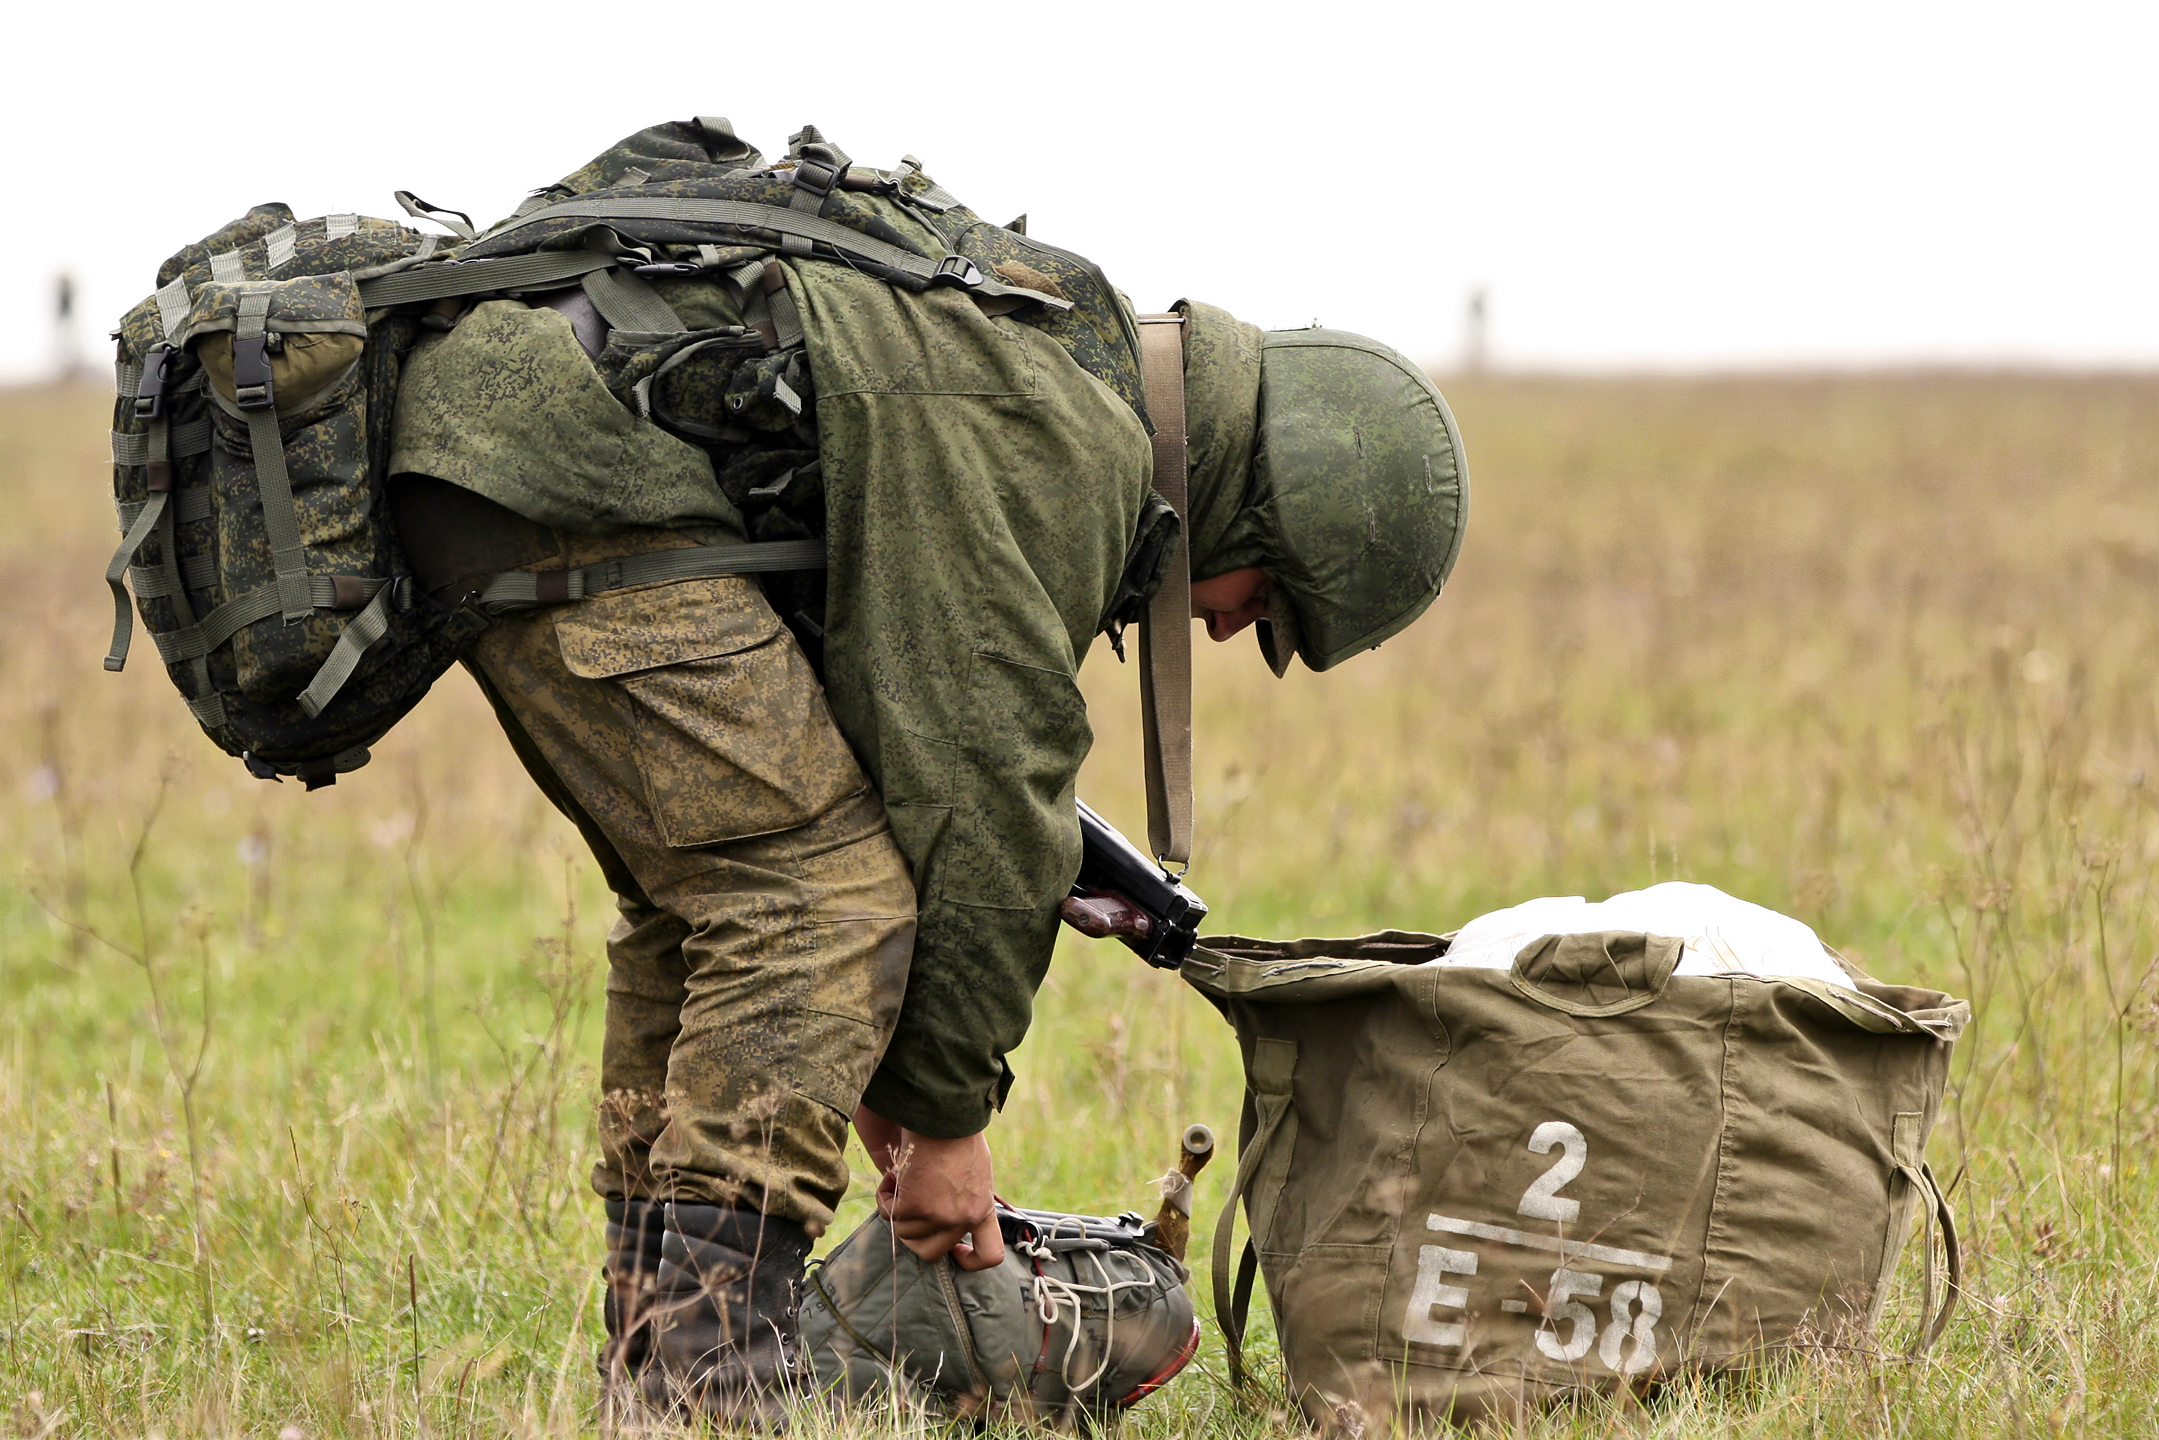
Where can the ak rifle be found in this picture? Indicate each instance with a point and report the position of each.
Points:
(1124, 893)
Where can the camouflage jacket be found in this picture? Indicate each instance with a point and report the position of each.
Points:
(981, 492)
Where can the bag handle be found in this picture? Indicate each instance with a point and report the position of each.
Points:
(1589, 954)
(1274, 1062)
(1937, 1203)
(1908, 1143)
(1165, 636)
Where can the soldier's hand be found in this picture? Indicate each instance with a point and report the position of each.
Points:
(940, 1193)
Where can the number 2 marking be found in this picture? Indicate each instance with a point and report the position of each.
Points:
(1542, 1200)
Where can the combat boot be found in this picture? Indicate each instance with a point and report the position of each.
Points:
(634, 1232)
(722, 1314)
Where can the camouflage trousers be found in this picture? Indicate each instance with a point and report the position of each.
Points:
(767, 918)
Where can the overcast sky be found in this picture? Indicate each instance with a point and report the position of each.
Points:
(1656, 184)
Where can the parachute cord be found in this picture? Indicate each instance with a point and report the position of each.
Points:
(1051, 1294)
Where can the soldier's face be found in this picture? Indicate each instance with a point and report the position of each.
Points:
(1231, 601)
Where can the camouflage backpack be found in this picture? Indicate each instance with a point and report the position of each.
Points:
(258, 386)
(249, 434)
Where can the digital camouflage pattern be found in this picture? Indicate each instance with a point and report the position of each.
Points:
(1357, 498)
(981, 490)
(336, 430)
(508, 406)
(767, 919)
(688, 160)
(949, 450)
(1221, 408)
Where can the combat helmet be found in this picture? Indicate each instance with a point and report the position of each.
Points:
(1331, 462)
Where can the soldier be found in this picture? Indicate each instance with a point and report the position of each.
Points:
(838, 826)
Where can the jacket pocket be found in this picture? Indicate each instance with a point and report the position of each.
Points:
(732, 734)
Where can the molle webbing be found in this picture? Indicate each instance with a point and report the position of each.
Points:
(256, 396)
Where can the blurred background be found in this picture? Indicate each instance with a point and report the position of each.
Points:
(1675, 183)
(1808, 364)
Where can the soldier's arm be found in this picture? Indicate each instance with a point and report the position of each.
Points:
(981, 495)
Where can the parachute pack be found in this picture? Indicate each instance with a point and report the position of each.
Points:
(258, 393)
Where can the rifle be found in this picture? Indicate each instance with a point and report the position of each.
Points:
(1122, 891)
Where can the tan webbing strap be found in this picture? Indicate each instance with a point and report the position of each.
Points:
(1269, 1084)
(1165, 636)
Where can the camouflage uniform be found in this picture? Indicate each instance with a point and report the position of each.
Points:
(980, 488)
(761, 952)
(981, 493)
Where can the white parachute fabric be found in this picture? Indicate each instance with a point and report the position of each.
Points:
(1722, 934)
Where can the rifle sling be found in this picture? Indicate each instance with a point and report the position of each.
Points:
(1165, 638)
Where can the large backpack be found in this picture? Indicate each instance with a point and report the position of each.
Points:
(249, 436)
(258, 385)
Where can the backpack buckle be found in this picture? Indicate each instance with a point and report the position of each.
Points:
(817, 176)
(157, 368)
(251, 387)
(956, 270)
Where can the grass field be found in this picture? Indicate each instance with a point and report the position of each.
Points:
(295, 1090)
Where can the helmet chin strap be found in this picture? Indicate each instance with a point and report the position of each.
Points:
(1165, 636)
(1278, 633)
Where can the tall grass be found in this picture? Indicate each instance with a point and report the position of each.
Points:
(295, 1090)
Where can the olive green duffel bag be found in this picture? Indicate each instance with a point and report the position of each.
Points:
(1472, 1190)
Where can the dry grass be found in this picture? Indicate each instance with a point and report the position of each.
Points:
(292, 1116)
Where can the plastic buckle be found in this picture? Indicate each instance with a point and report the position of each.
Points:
(157, 368)
(666, 268)
(817, 176)
(251, 385)
(956, 270)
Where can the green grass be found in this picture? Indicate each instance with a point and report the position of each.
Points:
(294, 1112)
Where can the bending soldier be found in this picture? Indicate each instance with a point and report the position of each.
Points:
(837, 811)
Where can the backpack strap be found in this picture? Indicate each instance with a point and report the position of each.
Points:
(256, 396)
(445, 278)
(151, 387)
(626, 302)
(529, 589)
(1165, 637)
(954, 269)
(123, 608)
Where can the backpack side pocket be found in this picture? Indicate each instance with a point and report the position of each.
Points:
(298, 528)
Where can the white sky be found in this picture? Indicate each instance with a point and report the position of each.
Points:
(1658, 184)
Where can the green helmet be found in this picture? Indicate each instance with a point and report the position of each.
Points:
(1352, 493)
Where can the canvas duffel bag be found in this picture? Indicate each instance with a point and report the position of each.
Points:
(1471, 1190)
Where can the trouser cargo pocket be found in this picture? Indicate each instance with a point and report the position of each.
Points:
(732, 733)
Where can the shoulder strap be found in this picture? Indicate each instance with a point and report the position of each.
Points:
(1165, 637)
(950, 269)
